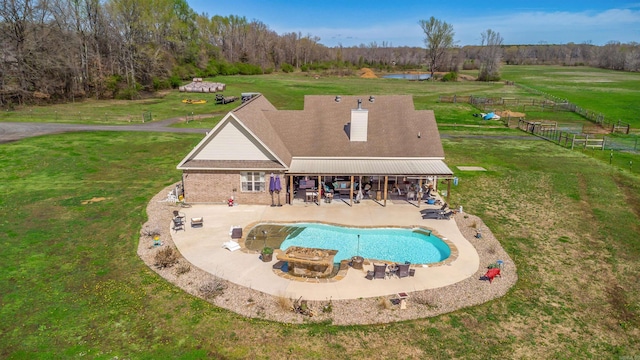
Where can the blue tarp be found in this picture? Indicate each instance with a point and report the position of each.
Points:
(489, 116)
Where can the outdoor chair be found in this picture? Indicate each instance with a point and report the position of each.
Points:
(178, 224)
(435, 211)
(402, 270)
(178, 214)
(235, 232)
(379, 271)
(491, 274)
(438, 216)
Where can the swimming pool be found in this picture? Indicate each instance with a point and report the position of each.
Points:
(417, 246)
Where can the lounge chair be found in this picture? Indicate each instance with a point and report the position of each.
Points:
(402, 270)
(231, 245)
(439, 216)
(440, 210)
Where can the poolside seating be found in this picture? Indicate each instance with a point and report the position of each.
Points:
(178, 224)
(439, 210)
(235, 232)
(379, 272)
(231, 245)
(402, 270)
(178, 214)
(440, 216)
(491, 274)
(197, 222)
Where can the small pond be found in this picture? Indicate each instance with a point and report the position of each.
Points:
(408, 76)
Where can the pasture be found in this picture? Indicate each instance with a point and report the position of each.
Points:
(73, 286)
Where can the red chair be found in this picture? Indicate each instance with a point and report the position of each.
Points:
(492, 273)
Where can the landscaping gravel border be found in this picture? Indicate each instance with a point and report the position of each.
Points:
(255, 304)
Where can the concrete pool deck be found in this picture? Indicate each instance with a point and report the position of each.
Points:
(202, 247)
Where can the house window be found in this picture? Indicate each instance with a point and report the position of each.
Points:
(252, 181)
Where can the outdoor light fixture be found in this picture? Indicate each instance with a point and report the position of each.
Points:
(338, 98)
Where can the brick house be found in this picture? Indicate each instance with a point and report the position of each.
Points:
(336, 145)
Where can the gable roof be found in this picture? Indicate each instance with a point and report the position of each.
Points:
(231, 144)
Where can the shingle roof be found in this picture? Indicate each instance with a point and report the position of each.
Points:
(320, 128)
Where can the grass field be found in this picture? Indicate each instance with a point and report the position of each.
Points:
(72, 286)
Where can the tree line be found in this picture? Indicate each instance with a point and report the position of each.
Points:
(60, 50)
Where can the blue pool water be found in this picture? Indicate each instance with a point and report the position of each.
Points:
(389, 244)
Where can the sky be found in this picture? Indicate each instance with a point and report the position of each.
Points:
(395, 22)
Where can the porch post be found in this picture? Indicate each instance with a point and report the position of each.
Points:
(419, 192)
(449, 191)
(386, 189)
(351, 192)
(291, 189)
(320, 188)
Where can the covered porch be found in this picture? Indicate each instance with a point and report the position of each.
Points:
(350, 181)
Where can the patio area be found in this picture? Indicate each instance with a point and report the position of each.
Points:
(202, 247)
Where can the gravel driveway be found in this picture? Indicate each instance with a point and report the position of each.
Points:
(13, 131)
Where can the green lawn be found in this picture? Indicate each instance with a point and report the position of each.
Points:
(615, 94)
(72, 286)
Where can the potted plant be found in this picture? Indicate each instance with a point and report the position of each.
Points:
(266, 254)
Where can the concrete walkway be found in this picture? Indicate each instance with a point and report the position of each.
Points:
(202, 247)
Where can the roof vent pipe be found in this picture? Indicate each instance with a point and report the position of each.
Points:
(359, 104)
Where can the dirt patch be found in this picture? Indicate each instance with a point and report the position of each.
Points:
(93, 200)
(367, 73)
(509, 113)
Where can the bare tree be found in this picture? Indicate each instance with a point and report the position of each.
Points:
(490, 56)
(438, 39)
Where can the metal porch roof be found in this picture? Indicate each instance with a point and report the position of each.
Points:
(369, 167)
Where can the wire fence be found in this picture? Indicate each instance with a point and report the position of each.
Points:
(547, 103)
(573, 136)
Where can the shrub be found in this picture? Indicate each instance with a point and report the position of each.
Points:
(212, 289)
(128, 93)
(450, 76)
(384, 303)
(248, 69)
(287, 68)
(425, 299)
(183, 269)
(165, 258)
(174, 81)
(159, 84)
(284, 303)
